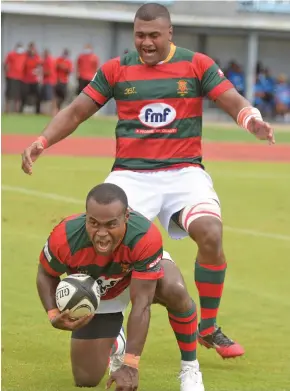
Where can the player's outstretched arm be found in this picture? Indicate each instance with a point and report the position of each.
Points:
(46, 286)
(246, 116)
(142, 294)
(61, 126)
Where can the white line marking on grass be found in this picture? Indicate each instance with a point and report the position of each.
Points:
(251, 232)
(58, 197)
(40, 194)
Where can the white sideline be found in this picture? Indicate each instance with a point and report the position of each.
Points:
(58, 197)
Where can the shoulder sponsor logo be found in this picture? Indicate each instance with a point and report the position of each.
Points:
(46, 252)
(130, 91)
(182, 89)
(220, 73)
(154, 263)
(157, 115)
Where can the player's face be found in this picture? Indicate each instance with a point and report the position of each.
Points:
(106, 225)
(152, 39)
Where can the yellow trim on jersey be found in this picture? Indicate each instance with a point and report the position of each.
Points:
(169, 57)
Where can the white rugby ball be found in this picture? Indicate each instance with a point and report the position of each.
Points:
(79, 293)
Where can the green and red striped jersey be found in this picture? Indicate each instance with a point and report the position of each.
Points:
(159, 107)
(69, 250)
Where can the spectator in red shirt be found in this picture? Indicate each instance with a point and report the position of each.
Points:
(13, 67)
(31, 77)
(48, 81)
(87, 65)
(64, 68)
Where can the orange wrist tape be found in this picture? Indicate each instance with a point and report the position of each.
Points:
(131, 360)
(52, 313)
(246, 114)
(43, 141)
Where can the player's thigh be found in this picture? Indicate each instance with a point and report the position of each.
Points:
(140, 188)
(90, 348)
(193, 186)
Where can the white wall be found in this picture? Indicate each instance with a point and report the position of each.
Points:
(188, 41)
(227, 48)
(275, 54)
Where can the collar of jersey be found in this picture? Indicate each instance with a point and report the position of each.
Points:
(168, 58)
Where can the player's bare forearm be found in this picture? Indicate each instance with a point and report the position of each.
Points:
(246, 116)
(46, 286)
(68, 119)
(232, 102)
(142, 294)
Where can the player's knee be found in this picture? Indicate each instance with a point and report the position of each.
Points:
(86, 383)
(179, 299)
(210, 240)
(83, 379)
(171, 290)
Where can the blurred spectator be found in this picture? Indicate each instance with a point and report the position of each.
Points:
(13, 67)
(48, 82)
(87, 65)
(268, 84)
(282, 98)
(64, 68)
(259, 94)
(259, 67)
(31, 78)
(236, 76)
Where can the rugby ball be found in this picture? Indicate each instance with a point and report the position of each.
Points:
(78, 293)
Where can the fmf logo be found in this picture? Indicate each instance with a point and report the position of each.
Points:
(156, 115)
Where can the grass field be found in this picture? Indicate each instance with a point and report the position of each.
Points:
(255, 308)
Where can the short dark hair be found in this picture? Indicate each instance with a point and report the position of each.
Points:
(152, 11)
(106, 193)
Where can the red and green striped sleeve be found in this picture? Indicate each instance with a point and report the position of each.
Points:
(212, 79)
(53, 254)
(100, 89)
(147, 255)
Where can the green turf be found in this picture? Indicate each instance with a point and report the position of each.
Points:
(105, 127)
(255, 308)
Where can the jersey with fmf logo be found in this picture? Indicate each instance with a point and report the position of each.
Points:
(159, 107)
(69, 250)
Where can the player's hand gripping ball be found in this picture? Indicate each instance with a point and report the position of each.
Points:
(78, 293)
